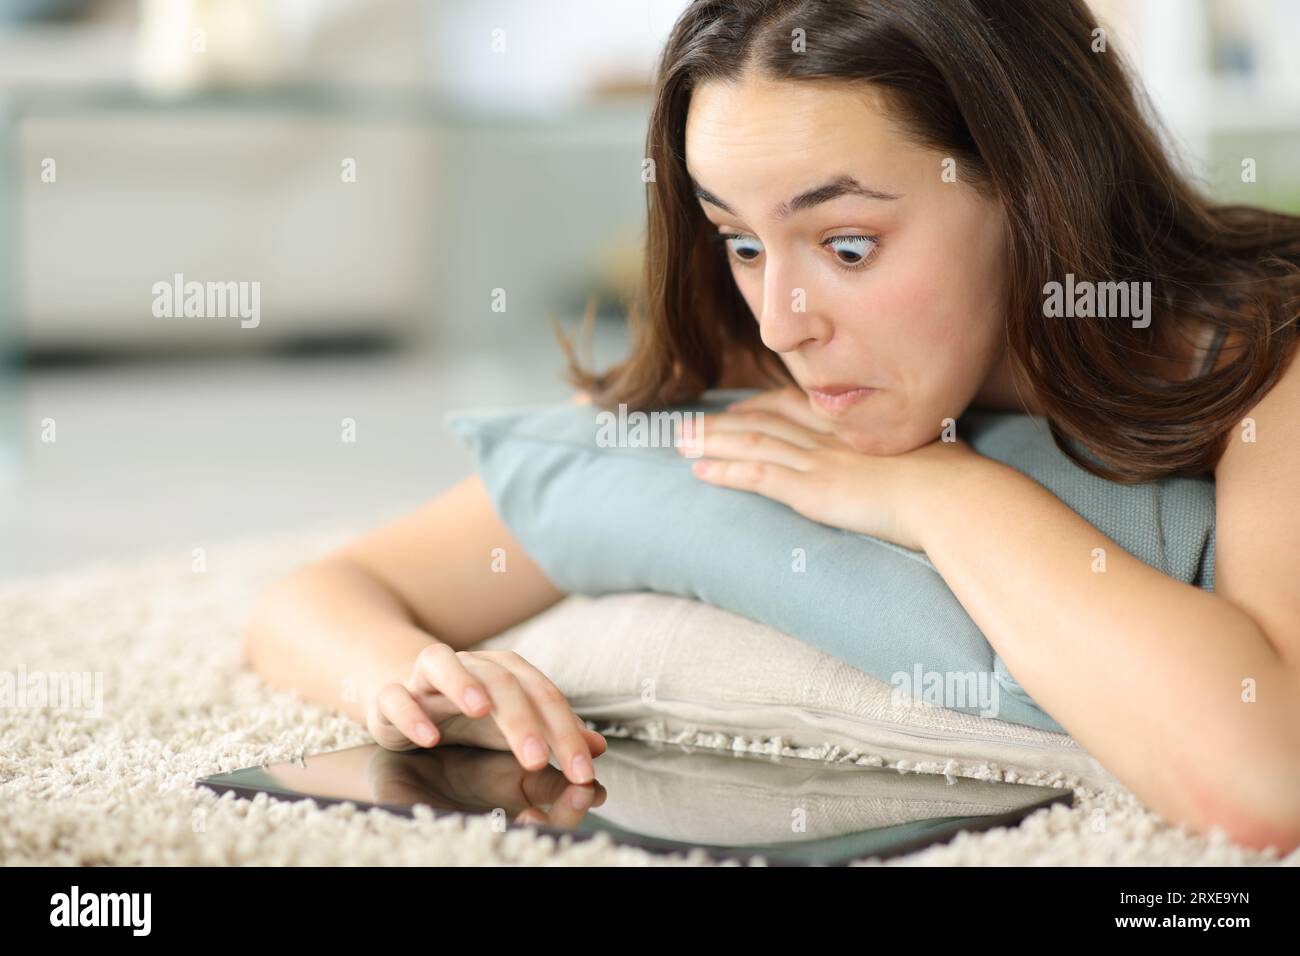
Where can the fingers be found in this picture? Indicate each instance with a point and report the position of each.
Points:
(439, 669)
(596, 742)
(756, 420)
(510, 709)
(531, 713)
(555, 801)
(532, 816)
(517, 715)
(398, 722)
(751, 446)
(558, 724)
(791, 402)
(572, 806)
(778, 482)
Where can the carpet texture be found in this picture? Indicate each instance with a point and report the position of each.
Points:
(118, 788)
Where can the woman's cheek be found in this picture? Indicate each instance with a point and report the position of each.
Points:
(751, 290)
(914, 316)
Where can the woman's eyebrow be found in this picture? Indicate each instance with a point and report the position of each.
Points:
(842, 185)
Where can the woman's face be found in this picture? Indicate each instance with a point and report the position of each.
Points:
(896, 287)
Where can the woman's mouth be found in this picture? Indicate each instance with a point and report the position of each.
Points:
(836, 398)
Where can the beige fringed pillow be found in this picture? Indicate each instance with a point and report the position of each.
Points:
(676, 668)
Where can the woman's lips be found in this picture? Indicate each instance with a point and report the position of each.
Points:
(836, 398)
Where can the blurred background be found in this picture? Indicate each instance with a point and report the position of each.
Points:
(393, 195)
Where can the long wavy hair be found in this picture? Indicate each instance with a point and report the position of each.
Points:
(1061, 135)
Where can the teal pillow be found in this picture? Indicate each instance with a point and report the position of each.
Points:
(600, 518)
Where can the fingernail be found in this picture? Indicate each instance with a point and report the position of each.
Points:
(581, 769)
(702, 467)
(581, 798)
(474, 699)
(534, 751)
(425, 734)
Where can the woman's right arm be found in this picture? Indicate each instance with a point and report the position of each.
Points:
(402, 605)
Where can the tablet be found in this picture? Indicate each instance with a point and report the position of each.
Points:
(667, 798)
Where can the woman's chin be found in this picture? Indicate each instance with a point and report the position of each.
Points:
(872, 443)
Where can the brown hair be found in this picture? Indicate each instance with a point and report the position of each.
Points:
(1014, 91)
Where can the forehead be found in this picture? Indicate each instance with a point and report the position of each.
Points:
(755, 133)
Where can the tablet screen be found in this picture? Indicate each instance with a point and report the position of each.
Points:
(668, 797)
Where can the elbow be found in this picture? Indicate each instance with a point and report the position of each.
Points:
(272, 634)
(1261, 832)
(259, 627)
(1255, 802)
(250, 640)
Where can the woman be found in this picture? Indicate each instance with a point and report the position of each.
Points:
(872, 207)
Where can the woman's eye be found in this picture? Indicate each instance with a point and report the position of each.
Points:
(851, 251)
(744, 248)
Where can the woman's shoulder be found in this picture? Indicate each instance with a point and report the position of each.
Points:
(1278, 411)
(1257, 518)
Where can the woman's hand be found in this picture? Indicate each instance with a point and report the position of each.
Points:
(775, 445)
(465, 780)
(492, 699)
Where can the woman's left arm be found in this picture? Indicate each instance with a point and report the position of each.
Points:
(1190, 698)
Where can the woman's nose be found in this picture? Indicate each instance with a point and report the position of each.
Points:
(785, 322)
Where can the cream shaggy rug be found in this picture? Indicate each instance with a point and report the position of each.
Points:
(118, 789)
